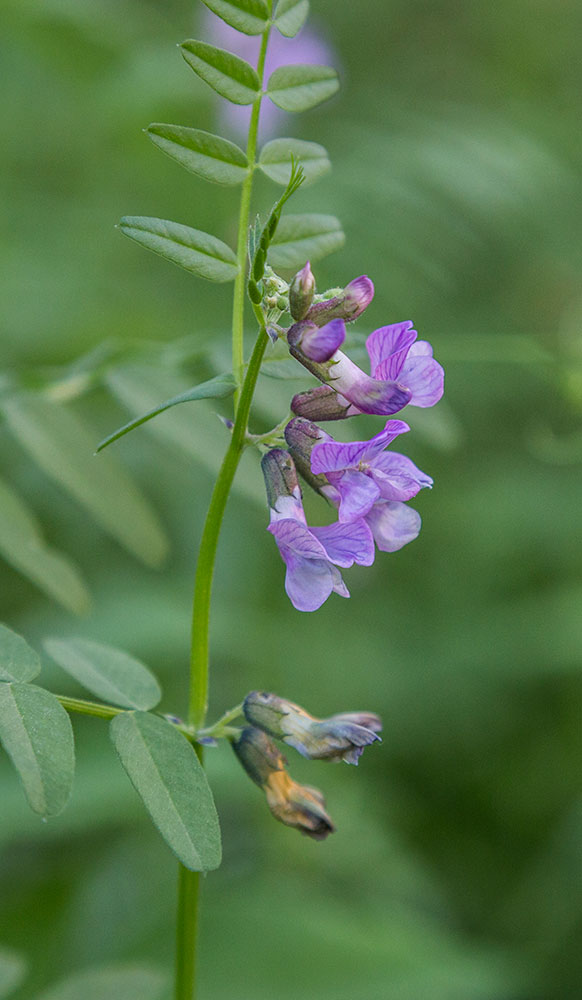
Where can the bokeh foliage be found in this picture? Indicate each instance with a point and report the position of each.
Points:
(455, 871)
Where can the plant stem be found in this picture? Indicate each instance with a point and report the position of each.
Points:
(189, 882)
(99, 710)
(89, 707)
(238, 303)
(209, 542)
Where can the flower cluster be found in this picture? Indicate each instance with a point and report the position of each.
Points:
(369, 486)
(340, 737)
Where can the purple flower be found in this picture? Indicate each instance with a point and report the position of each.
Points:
(356, 391)
(340, 737)
(376, 486)
(396, 354)
(403, 371)
(347, 305)
(311, 555)
(362, 472)
(318, 343)
(307, 47)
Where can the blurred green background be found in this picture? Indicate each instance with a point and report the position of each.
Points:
(455, 873)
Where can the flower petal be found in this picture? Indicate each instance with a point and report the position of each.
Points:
(422, 375)
(321, 343)
(393, 525)
(333, 456)
(397, 477)
(368, 394)
(309, 582)
(296, 539)
(390, 343)
(347, 543)
(357, 493)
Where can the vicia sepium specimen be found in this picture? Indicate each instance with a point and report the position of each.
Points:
(365, 484)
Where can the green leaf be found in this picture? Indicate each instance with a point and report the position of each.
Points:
(227, 74)
(109, 673)
(248, 16)
(18, 661)
(197, 252)
(38, 737)
(275, 159)
(298, 88)
(165, 771)
(201, 153)
(290, 16)
(123, 982)
(22, 545)
(12, 971)
(305, 237)
(215, 388)
(198, 434)
(64, 449)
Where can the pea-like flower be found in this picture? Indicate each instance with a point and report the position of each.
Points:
(340, 737)
(349, 302)
(295, 805)
(355, 391)
(392, 522)
(395, 353)
(312, 555)
(401, 364)
(318, 343)
(363, 472)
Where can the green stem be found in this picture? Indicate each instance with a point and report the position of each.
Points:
(89, 707)
(189, 882)
(188, 887)
(238, 303)
(207, 553)
(101, 711)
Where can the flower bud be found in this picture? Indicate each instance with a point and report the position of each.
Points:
(316, 343)
(301, 292)
(301, 437)
(348, 305)
(357, 296)
(295, 805)
(280, 475)
(340, 737)
(321, 403)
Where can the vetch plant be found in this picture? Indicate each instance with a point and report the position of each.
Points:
(366, 486)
